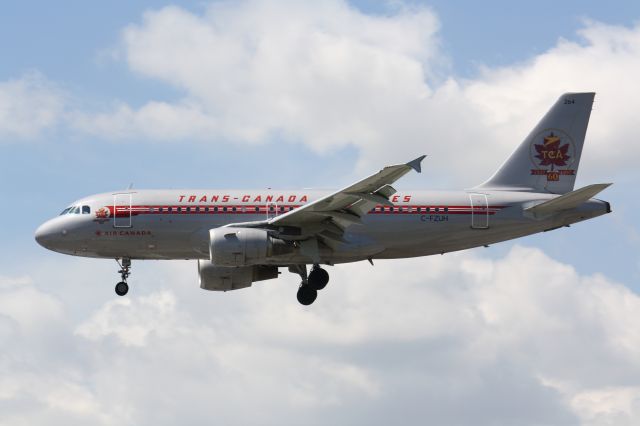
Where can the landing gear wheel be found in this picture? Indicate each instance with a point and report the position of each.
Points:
(306, 294)
(318, 278)
(122, 288)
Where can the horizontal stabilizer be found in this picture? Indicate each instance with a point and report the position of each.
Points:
(567, 201)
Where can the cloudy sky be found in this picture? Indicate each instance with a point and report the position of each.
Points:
(96, 96)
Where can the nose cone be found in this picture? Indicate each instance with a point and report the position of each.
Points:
(42, 233)
(47, 233)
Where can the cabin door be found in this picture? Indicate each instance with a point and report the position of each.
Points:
(122, 210)
(479, 211)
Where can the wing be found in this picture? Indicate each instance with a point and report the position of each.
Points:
(328, 217)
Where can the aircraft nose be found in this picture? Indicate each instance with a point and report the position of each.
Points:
(47, 233)
(43, 234)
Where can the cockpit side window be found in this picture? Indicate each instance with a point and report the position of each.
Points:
(86, 209)
(65, 211)
(76, 210)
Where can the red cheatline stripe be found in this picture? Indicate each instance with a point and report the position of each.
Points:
(263, 209)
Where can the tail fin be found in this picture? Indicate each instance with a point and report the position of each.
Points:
(548, 159)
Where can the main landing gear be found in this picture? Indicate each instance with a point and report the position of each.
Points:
(316, 280)
(122, 287)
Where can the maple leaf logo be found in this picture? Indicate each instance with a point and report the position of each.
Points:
(550, 153)
(102, 213)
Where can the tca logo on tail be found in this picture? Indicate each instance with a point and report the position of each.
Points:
(552, 153)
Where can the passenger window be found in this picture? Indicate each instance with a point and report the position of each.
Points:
(86, 210)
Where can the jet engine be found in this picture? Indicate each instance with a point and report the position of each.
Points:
(243, 246)
(222, 278)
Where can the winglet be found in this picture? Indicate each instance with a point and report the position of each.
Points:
(415, 164)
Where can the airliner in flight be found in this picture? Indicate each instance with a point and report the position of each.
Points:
(239, 237)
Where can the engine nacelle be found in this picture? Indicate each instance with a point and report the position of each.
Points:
(242, 246)
(222, 278)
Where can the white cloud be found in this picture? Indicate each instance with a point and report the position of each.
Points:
(149, 314)
(29, 105)
(609, 406)
(400, 340)
(25, 307)
(328, 76)
(319, 73)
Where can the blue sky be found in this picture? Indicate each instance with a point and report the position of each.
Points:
(103, 95)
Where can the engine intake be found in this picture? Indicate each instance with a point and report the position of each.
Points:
(239, 246)
(243, 246)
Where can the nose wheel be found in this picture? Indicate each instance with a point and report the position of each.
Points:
(122, 287)
(316, 280)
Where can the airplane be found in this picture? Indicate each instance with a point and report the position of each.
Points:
(239, 237)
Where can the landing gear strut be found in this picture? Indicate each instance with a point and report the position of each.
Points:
(316, 280)
(122, 287)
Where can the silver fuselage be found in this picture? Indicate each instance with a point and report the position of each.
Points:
(175, 224)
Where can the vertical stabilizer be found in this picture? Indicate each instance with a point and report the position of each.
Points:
(548, 159)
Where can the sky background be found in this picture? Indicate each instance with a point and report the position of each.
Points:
(253, 94)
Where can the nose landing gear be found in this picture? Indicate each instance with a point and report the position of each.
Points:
(316, 280)
(122, 287)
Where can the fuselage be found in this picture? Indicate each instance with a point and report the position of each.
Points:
(175, 224)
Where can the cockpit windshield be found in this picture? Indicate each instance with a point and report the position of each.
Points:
(76, 210)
